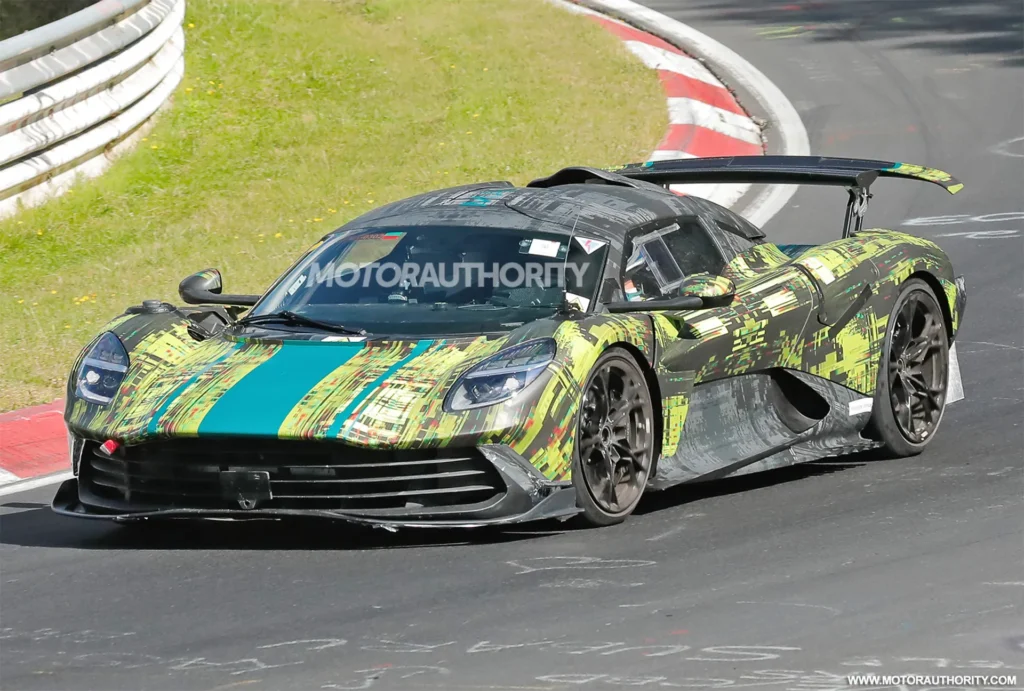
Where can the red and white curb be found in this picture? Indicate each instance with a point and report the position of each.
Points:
(33, 446)
(704, 120)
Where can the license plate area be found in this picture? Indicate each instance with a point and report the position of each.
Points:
(248, 488)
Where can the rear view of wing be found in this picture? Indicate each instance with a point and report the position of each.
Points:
(795, 170)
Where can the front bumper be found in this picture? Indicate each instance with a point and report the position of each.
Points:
(528, 496)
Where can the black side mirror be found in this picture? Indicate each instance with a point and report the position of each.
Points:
(204, 287)
(697, 292)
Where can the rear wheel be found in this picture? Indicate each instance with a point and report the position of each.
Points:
(912, 377)
(614, 446)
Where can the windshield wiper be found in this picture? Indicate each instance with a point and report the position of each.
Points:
(295, 319)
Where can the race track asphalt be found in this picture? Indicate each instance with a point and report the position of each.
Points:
(788, 580)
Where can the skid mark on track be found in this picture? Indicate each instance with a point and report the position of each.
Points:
(834, 610)
(580, 563)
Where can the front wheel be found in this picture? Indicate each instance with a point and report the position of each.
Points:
(614, 447)
(913, 373)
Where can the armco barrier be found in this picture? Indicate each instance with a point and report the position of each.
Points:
(74, 92)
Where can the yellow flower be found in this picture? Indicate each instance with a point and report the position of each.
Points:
(35, 303)
(260, 235)
(20, 301)
(154, 146)
(191, 25)
(291, 220)
(67, 326)
(236, 237)
(485, 69)
(469, 131)
(369, 201)
(261, 241)
(145, 139)
(39, 232)
(211, 83)
(278, 235)
(53, 292)
(317, 220)
(332, 211)
(211, 92)
(188, 89)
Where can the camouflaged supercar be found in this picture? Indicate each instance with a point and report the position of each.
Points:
(383, 379)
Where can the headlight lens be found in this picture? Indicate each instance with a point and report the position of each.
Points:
(102, 370)
(501, 376)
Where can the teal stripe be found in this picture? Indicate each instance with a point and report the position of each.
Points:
(154, 421)
(341, 417)
(259, 403)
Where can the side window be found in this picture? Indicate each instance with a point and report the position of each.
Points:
(662, 258)
(735, 233)
(693, 248)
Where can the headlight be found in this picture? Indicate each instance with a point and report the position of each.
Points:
(102, 370)
(501, 376)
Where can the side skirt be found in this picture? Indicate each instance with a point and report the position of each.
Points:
(760, 421)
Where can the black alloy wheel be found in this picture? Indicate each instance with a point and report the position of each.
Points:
(615, 440)
(914, 371)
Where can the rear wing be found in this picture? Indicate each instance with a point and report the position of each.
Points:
(857, 174)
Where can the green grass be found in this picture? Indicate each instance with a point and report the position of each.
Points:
(294, 117)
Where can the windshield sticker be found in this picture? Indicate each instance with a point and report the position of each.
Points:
(296, 284)
(590, 245)
(578, 300)
(343, 339)
(393, 236)
(632, 293)
(543, 248)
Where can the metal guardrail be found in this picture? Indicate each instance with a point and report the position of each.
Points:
(76, 93)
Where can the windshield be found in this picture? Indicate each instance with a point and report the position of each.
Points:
(439, 279)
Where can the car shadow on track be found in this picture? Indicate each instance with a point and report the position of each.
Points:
(687, 494)
(32, 524)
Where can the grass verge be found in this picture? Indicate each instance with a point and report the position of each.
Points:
(294, 117)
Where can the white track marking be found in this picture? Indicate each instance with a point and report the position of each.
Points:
(660, 59)
(25, 485)
(689, 111)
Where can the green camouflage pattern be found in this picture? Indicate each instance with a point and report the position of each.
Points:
(786, 312)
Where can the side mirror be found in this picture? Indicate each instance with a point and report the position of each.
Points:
(204, 287)
(697, 292)
(714, 291)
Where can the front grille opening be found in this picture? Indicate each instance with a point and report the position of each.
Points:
(302, 475)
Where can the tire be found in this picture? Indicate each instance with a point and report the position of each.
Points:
(913, 373)
(614, 449)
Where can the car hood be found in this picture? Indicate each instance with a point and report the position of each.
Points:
(368, 392)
